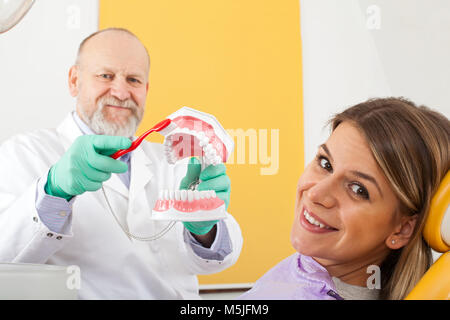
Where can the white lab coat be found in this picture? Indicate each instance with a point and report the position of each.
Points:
(112, 265)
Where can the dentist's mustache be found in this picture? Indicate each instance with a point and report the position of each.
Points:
(109, 100)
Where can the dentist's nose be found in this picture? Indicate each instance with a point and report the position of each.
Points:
(119, 89)
(323, 193)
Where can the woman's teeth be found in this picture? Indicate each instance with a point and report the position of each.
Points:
(314, 221)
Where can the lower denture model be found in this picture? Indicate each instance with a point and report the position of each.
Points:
(193, 134)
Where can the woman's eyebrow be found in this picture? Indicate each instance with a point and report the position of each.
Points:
(356, 173)
(325, 148)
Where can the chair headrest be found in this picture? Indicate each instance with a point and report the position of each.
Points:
(437, 227)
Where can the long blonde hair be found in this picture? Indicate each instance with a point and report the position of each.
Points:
(411, 145)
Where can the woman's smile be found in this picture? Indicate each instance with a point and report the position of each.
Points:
(313, 223)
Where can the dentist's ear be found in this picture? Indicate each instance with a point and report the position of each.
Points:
(73, 81)
(402, 233)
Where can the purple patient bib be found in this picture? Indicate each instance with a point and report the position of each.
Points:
(297, 277)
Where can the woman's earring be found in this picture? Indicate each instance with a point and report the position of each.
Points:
(393, 241)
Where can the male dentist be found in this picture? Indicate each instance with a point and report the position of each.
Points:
(52, 206)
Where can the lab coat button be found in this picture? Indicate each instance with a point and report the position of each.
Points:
(35, 219)
(49, 234)
(58, 238)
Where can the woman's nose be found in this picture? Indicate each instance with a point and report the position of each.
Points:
(323, 193)
(119, 89)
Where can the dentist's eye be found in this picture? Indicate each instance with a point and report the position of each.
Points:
(134, 80)
(324, 163)
(106, 76)
(360, 191)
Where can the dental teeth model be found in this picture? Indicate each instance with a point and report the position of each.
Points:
(193, 134)
(189, 205)
(197, 134)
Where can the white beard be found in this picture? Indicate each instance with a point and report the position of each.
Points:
(100, 125)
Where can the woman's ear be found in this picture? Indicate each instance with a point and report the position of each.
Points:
(402, 233)
(73, 81)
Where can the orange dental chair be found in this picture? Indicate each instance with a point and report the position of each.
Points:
(435, 284)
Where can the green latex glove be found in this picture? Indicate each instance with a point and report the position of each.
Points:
(213, 178)
(86, 165)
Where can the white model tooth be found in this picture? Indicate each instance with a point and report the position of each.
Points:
(203, 141)
(183, 195)
(171, 194)
(213, 160)
(207, 195)
(208, 148)
(197, 195)
(177, 195)
(201, 135)
(211, 154)
(161, 194)
(190, 195)
(166, 194)
(205, 161)
(213, 193)
(202, 194)
(210, 157)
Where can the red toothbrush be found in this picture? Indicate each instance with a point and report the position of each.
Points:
(158, 127)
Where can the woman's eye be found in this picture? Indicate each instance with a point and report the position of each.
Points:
(359, 190)
(324, 163)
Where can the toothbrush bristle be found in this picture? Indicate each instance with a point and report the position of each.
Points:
(172, 126)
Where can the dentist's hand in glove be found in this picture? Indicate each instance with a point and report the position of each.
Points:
(86, 165)
(212, 178)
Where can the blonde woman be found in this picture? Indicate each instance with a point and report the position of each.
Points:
(361, 206)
